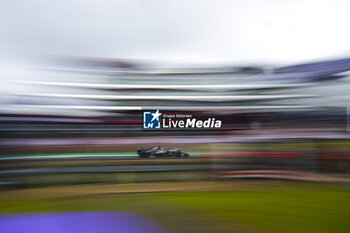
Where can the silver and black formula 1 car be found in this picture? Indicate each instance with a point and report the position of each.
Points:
(161, 152)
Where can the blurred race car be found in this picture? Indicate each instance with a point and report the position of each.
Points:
(161, 152)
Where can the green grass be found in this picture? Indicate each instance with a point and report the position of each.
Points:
(292, 208)
(295, 209)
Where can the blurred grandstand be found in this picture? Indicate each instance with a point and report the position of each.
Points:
(288, 122)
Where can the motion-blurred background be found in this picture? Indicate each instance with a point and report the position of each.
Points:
(76, 75)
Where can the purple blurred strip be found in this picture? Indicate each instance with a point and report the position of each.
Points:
(86, 222)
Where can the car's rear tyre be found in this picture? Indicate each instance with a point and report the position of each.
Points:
(186, 155)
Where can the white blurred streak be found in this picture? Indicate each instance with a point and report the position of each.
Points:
(216, 98)
(172, 86)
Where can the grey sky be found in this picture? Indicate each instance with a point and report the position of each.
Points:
(206, 31)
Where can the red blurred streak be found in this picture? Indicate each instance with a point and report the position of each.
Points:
(49, 116)
(265, 122)
(272, 174)
(258, 152)
(257, 156)
(119, 122)
(252, 172)
(257, 166)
